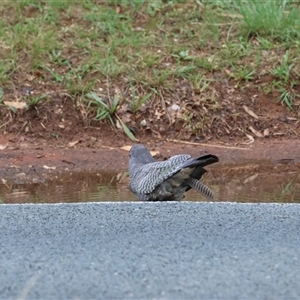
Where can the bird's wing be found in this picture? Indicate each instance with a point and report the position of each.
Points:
(153, 174)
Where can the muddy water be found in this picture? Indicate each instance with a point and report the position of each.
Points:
(252, 182)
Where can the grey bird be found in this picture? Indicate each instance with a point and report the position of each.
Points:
(167, 180)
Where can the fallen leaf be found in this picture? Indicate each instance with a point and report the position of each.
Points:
(126, 148)
(251, 178)
(107, 147)
(49, 168)
(250, 112)
(15, 104)
(239, 16)
(250, 139)
(291, 119)
(230, 74)
(71, 144)
(2, 147)
(266, 132)
(118, 9)
(254, 131)
(118, 125)
(126, 117)
(20, 175)
(153, 153)
(122, 176)
(159, 114)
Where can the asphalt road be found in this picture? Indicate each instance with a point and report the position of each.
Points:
(150, 250)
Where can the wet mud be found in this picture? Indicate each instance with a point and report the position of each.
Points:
(262, 172)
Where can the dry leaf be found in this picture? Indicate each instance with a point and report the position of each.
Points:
(118, 125)
(71, 144)
(250, 112)
(250, 139)
(251, 178)
(20, 175)
(159, 114)
(126, 148)
(107, 147)
(49, 168)
(291, 119)
(153, 153)
(254, 131)
(232, 15)
(118, 9)
(2, 147)
(15, 104)
(266, 132)
(126, 117)
(230, 74)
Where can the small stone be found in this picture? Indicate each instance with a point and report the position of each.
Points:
(143, 123)
(175, 107)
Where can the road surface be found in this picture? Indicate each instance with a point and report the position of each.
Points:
(150, 250)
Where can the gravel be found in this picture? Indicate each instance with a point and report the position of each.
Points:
(164, 250)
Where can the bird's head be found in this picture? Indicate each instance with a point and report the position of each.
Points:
(138, 156)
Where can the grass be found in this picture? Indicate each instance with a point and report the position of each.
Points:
(107, 110)
(148, 48)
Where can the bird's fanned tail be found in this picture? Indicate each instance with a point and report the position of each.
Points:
(201, 188)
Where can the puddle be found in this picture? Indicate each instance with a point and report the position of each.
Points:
(239, 183)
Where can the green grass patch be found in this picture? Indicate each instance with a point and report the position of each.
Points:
(76, 47)
(278, 20)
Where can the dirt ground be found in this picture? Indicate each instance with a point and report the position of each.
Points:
(24, 159)
(58, 135)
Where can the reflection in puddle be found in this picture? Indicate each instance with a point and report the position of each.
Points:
(69, 187)
(242, 183)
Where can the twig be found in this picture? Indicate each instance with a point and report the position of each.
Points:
(22, 128)
(164, 106)
(206, 145)
(5, 123)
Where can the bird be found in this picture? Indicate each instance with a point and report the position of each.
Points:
(168, 180)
